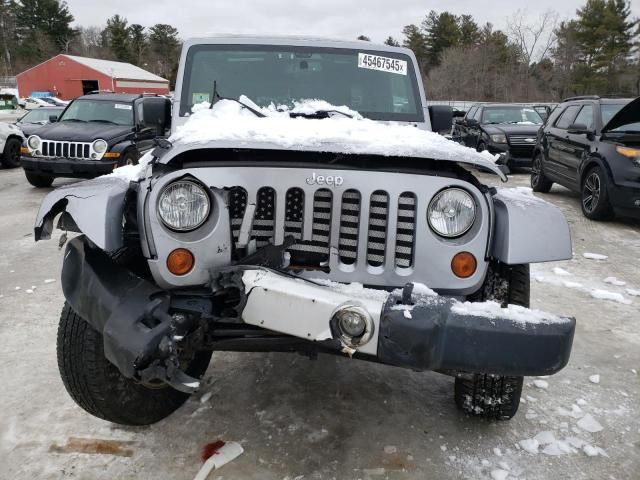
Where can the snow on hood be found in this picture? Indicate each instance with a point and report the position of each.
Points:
(229, 125)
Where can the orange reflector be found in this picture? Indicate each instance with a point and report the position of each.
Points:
(111, 155)
(24, 150)
(464, 264)
(180, 261)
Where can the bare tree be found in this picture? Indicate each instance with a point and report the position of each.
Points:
(533, 39)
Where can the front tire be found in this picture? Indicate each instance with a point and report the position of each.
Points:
(11, 154)
(97, 386)
(39, 181)
(594, 195)
(495, 397)
(539, 181)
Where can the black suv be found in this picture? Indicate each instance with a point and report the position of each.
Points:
(95, 134)
(501, 128)
(592, 145)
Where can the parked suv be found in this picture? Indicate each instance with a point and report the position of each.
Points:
(93, 135)
(256, 224)
(592, 145)
(502, 128)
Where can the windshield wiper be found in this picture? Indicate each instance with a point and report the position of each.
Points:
(319, 114)
(216, 97)
(73, 120)
(100, 120)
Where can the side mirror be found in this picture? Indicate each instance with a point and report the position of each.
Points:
(472, 122)
(578, 129)
(53, 118)
(154, 113)
(441, 117)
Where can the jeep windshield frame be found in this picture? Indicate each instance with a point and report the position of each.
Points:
(282, 74)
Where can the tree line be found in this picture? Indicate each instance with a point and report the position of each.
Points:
(32, 31)
(532, 59)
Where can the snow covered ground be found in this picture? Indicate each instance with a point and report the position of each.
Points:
(335, 418)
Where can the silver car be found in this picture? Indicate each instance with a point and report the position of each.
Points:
(301, 226)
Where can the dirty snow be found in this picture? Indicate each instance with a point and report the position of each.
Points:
(229, 122)
(589, 424)
(515, 313)
(614, 281)
(594, 256)
(613, 296)
(542, 384)
(561, 271)
(632, 292)
(499, 474)
(594, 379)
(355, 289)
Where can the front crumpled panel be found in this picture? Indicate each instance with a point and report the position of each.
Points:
(95, 206)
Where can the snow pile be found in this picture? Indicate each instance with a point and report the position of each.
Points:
(561, 272)
(307, 107)
(516, 313)
(589, 424)
(132, 172)
(595, 379)
(355, 289)
(613, 296)
(632, 292)
(229, 122)
(542, 384)
(614, 281)
(546, 442)
(594, 256)
(522, 197)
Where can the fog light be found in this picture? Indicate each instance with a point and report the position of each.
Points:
(180, 261)
(353, 323)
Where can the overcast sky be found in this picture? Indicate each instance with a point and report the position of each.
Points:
(329, 18)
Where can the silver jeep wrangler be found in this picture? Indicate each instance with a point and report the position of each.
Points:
(301, 226)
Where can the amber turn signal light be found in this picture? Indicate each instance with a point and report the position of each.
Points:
(463, 264)
(180, 261)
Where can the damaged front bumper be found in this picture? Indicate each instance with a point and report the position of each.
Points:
(144, 326)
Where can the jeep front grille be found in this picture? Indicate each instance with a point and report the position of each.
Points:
(388, 225)
(79, 150)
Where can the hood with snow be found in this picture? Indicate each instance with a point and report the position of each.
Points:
(230, 125)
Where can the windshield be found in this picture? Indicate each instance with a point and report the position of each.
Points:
(524, 115)
(608, 112)
(379, 85)
(39, 115)
(99, 111)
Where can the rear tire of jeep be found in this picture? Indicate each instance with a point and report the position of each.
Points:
(39, 181)
(11, 154)
(495, 397)
(99, 388)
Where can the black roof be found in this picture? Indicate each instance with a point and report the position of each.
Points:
(602, 98)
(112, 97)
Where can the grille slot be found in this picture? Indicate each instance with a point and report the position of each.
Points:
(294, 213)
(405, 230)
(377, 235)
(264, 217)
(237, 207)
(349, 225)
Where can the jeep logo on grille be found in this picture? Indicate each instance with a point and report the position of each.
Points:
(331, 180)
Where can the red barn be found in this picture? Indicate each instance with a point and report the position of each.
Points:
(68, 77)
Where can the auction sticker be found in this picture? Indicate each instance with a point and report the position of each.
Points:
(383, 64)
(121, 106)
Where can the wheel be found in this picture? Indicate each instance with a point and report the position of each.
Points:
(99, 388)
(130, 158)
(481, 147)
(594, 195)
(11, 153)
(39, 181)
(539, 181)
(495, 397)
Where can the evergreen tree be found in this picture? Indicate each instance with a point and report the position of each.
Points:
(441, 31)
(164, 45)
(7, 36)
(116, 37)
(363, 38)
(416, 41)
(138, 43)
(392, 42)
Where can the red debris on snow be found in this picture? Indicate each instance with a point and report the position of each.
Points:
(211, 449)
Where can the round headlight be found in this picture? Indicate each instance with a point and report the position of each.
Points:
(451, 212)
(100, 146)
(183, 205)
(34, 142)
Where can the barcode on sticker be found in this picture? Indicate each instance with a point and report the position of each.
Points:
(383, 64)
